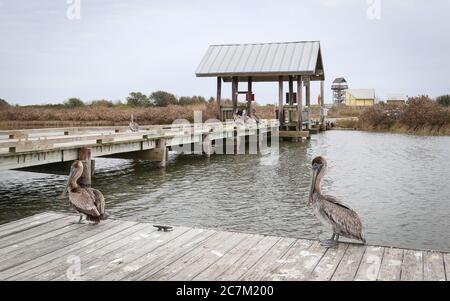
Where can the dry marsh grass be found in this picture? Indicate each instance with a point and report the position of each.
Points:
(41, 116)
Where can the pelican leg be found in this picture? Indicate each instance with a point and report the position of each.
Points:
(330, 243)
(80, 221)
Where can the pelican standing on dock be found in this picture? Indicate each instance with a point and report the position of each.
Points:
(335, 215)
(86, 201)
(134, 127)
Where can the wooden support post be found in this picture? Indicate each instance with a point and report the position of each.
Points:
(92, 168)
(84, 155)
(207, 145)
(291, 96)
(280, 101)
(219, 96)
(299, 103)
(308, 100)
(159, 154)
(234, 93)
(322, 103)
(249, 93)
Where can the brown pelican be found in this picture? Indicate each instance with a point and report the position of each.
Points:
(340, 218)
(134, 127)
(86, 201)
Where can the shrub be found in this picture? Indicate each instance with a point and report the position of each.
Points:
(163, 99)
(187, 100)
(137, 99)
(421, 111)
(377, 117)
(3, 103)
(102, 103)
(73, 103)
(444, 100)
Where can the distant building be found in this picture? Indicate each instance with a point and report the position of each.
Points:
(339, 88)
(360, 97)
(396, 99)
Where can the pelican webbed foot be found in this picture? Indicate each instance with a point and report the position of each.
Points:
(80, 221)
(330, 243)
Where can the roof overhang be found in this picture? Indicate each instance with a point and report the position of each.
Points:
(263, 62)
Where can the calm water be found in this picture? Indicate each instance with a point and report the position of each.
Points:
(399, 184)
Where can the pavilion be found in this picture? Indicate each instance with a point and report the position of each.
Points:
(299, 62)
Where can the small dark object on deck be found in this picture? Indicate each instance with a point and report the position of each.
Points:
(164, 228)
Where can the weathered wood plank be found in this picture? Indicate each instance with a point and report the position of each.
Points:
(349, 264)
(300, 261)
(370, 264)
(54, 264)
(26, 220)
(23, 246)
(27, 223)
(119, 250)
(207, 255)
(328, 264)
(39, 230)
(433, 266)
(412, 266)
(391, 266)
(171, 270)
(229, 259)
(249, 259)
(447, 266)
(137, 246)
(269, 261)
(153, 262)
(51, 244)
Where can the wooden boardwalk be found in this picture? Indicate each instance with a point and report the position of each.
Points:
(49, 246)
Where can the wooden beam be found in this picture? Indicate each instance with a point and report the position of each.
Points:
(280, 100)
(249, 101)
(322, 102)
(294, 134)
(291, 90)
(299, 103)
(219, 96)
(234, 95)
(308, 99)
(84, 155)
(291, 96)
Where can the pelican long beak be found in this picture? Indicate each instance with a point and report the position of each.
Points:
(72, 172)
(316, 169)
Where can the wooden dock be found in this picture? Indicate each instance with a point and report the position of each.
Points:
(24, 149)
(49, 246)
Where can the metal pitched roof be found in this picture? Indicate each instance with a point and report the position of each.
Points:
(362, 93)
(269, 59)
(397, 97)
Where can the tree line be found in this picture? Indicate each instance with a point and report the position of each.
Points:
(159, 99)
(134, 99)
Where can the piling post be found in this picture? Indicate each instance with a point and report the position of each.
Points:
(207, 145)
(84, 155)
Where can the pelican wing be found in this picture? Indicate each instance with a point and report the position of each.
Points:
(83, 202)
(344, 219)
(99, 200)
(335, 201)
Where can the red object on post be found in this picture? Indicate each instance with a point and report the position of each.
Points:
(253, 97)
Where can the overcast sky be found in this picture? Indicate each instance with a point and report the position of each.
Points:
(47, 54)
